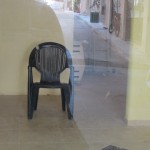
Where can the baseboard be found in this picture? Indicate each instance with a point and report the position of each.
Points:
(138, 122)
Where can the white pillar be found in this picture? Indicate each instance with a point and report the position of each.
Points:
(65, 4)
(123, 11)
(145, 28)
(107, 13)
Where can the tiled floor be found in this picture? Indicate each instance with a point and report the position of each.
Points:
(98, 119)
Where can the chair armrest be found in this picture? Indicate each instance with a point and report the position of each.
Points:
(71, 85)
(71, 79)
(69, 58)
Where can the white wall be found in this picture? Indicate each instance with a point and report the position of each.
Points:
(23, 24)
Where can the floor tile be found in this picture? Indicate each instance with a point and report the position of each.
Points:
(50, 146)
(76, 146)
(98, 120)
(9, 137)
(9, 123)
(40, 136)
(9, 146)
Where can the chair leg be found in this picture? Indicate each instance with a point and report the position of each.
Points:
(30, 112)
(35, 96)
(63, 99)
(30, 103)
(67, 97)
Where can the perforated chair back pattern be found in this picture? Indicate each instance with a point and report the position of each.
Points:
(50, 59)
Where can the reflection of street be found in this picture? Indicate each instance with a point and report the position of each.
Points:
(57, 5)
(102, 51)
(66, 20)
(100, 98)
(98, 40)
(60, 4)
(101, 94)
(82, 33)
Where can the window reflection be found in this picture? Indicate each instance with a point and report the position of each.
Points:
(98, 56)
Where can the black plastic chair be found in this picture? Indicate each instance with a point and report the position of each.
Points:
(50, 59)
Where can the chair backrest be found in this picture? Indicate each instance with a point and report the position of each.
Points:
(50, 59)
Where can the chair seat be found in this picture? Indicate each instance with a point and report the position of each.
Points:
(50, 85)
